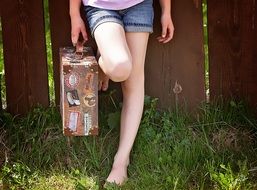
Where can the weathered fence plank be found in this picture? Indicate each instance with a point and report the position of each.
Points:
(60, 36)
(233, 49)
(181, 60)
(24, 54)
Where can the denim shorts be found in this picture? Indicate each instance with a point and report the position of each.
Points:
(138, 18)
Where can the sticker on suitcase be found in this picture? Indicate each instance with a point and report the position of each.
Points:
(73, 98)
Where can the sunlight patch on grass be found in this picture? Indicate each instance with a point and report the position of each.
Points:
(67, 182)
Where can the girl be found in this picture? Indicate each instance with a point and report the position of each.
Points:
(121, 29)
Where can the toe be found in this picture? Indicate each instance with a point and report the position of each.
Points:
(105, 85)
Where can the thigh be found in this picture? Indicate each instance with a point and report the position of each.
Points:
(108, 30)
(111, 41)
(137, 43)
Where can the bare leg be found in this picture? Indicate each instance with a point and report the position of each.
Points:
(115, 60)
(116, 63)
(133, 101)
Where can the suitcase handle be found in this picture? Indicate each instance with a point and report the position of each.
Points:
(79, 49)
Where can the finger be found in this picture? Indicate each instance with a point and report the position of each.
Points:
(167, 40)
(84, 34)
(171, 32)
(160, 38)
(164, 31)
(74, 37)
(170, 36)
(79, 46)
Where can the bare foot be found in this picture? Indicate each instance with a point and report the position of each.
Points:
(103, 80)
(118, 175)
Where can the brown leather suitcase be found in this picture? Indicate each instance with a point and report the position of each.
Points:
(79, 91)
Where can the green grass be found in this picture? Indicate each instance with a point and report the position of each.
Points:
(214, 149)
(206, 47)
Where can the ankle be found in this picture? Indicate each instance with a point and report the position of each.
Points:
(120, 162)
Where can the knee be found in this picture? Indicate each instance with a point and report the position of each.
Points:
(120, 69)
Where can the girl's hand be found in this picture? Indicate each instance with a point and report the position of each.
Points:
(167, 29)
(77, 27)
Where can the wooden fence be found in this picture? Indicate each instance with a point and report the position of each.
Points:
(232, 61)
(233, 49)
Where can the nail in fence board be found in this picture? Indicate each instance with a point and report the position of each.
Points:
(180, 60)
